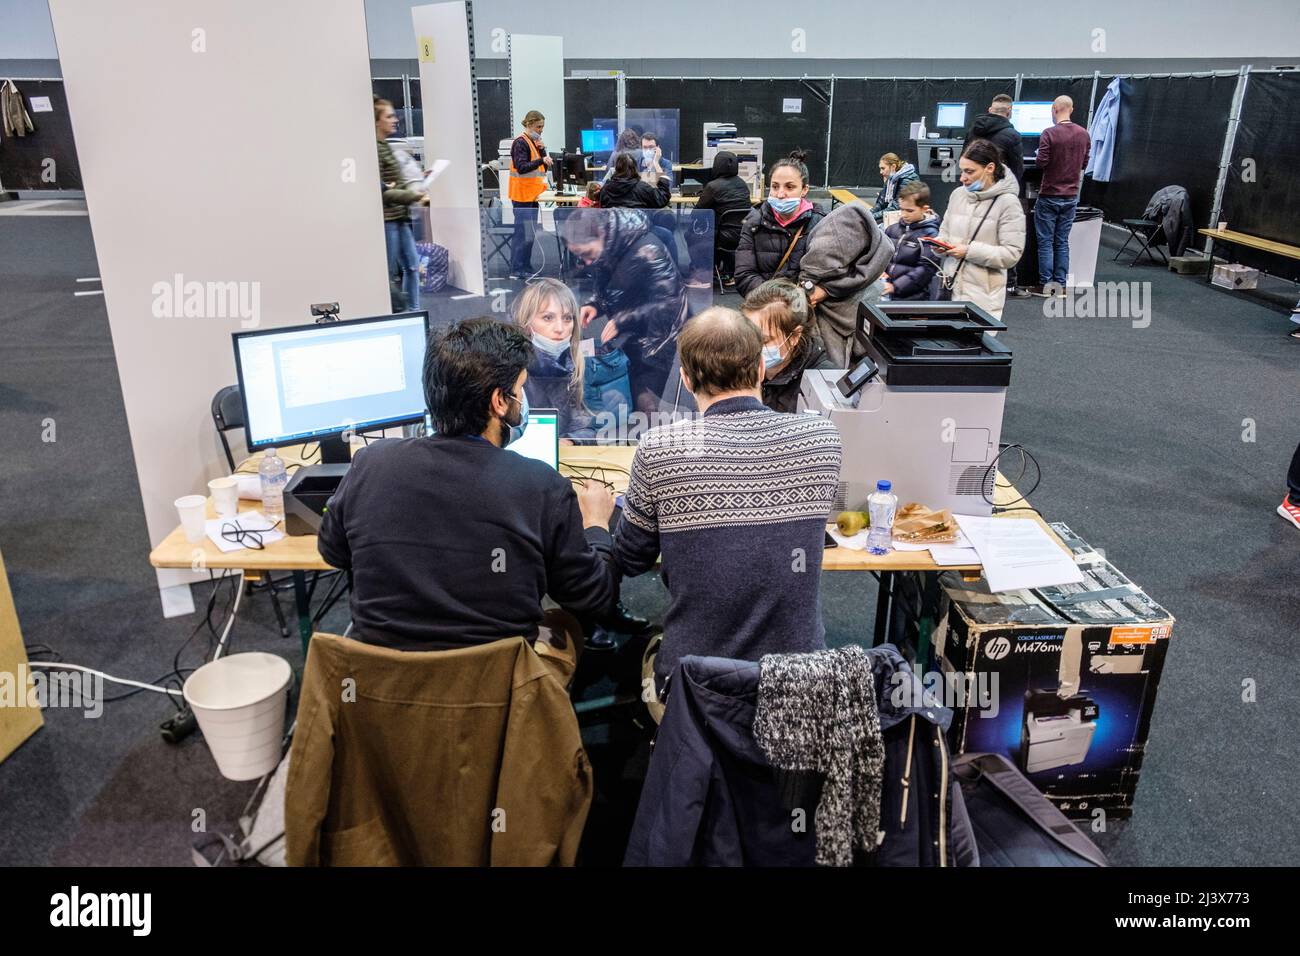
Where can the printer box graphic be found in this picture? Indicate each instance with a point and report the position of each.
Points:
(1076, 669)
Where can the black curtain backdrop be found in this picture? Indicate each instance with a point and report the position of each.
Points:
(1269, 138)
(873, 116)
(754, 106)
(391, 90)
(586, 100)
(494, 120)
(1171, 133)
(23, 158)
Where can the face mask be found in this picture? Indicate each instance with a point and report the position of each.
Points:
(976, 186)
(772, 354)
(551, 347)
(783, 206)
(535, 136)
(647, 155)
(517, 428)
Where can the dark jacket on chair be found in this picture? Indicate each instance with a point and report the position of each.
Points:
(1172, 208)
(915, 263)
(711, 797)
(469, 757)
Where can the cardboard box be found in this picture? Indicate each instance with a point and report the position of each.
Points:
(17, 723)
(1066, 679)
(1233, 276)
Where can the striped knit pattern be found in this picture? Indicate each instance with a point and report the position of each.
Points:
(752, 467)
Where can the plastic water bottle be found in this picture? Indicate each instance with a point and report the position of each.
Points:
(274, 478)
(881, 505)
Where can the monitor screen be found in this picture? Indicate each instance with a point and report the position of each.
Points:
(951, 115)
(310, 381)
(1030, 118)
(597, 140)
(541, 439)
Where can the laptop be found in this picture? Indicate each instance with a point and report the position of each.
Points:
(541, 439)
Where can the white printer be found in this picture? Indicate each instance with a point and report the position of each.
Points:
(1059, 724)
(931, 422)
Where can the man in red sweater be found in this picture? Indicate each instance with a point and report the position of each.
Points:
(1062, 155)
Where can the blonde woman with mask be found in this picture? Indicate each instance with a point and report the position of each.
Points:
(547, 312)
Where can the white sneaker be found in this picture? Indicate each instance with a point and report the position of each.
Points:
(1289, 511)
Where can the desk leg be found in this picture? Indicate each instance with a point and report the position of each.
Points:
(884, 601)
(304, 608)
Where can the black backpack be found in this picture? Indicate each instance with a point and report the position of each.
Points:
(1014, 824)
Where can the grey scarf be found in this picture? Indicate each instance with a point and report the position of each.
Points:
(817, 715)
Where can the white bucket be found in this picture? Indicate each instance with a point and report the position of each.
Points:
(239, 702)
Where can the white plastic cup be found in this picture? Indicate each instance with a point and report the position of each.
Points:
(1223, 227)
(193, 510)
(225, 496)
(239, 702)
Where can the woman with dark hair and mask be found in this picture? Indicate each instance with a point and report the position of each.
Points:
(791, 343)
(774, 236)
(637, 288)
(983, 229)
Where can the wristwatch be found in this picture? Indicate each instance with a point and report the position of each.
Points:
(808, 285)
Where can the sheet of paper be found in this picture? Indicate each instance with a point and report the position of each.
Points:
(1018, 553)
(245, 520)
(437, 169)
(947, 556)
(854, 542)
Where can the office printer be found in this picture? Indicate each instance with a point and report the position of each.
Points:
(1059, 724)
(932, 422)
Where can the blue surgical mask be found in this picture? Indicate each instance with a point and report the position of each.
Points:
(551, 347)
(783, 206)
(772, 354)
(976, 186)
(647, 155)
(517, 430)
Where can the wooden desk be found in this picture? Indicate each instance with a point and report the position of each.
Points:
(297, 554)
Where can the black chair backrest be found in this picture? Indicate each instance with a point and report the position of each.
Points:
(227, 414)
(736, 216)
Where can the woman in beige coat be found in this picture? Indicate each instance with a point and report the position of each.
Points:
(985, 227)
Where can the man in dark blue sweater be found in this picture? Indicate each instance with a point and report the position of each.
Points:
(737, 501)
(451, 539)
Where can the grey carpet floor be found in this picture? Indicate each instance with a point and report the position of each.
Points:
(1139, 432)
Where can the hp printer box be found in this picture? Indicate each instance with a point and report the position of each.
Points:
(1062, 681)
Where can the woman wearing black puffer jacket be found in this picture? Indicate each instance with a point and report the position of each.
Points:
(774, 236)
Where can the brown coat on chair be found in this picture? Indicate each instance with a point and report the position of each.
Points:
(467, 757)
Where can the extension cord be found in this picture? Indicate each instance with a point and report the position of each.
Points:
(179, 726)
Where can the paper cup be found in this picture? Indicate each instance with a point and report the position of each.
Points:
(193, 512)
(225, 496)
(239, 703)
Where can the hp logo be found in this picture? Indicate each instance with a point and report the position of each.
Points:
(997, 648)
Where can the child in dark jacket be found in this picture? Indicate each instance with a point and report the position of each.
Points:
(915, 262)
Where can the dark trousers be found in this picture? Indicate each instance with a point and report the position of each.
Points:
(521, 243)
(1293, 478)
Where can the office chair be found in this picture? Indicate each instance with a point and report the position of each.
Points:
(729, 247)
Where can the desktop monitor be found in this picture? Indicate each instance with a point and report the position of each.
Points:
(1030, 118)
(950, 116)
(310, 383)
(572, 170)
(597, 140)
(541, 439)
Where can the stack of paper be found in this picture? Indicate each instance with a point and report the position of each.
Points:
(1018, 553)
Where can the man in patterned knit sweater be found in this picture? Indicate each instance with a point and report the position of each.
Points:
(737, 502)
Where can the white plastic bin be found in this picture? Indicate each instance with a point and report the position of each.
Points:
(239, 702)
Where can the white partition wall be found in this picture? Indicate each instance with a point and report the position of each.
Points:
(228, 152)
(449, 97)
(537, 83)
